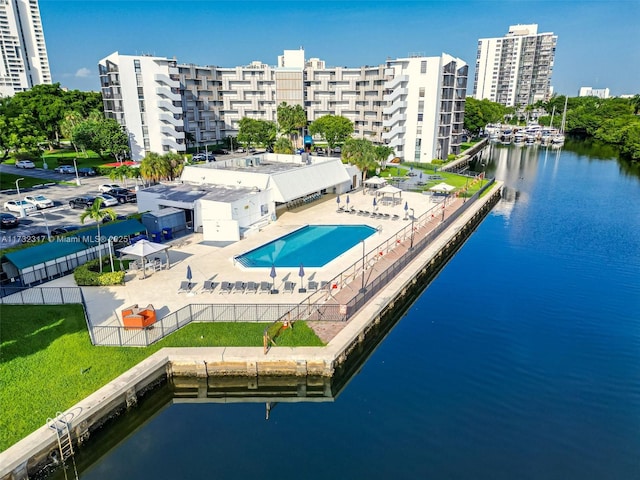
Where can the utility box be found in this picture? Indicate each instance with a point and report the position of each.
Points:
(172, 220)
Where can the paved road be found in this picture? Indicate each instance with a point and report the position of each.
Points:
(58, 216)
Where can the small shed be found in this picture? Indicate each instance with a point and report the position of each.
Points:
(165, 223)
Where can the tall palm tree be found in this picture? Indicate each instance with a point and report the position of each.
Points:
(96, 214)
(361, 153)
(154, 167)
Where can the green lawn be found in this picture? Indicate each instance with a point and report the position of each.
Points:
(48, 364)
(8, 180)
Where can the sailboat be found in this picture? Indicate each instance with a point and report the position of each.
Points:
(558, 138)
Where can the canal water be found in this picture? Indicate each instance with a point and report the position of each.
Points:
(520, 361)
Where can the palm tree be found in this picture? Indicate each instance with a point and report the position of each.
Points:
(361, 153)
(98, 215)
(154, 167)
(283, 145)
(382, 153)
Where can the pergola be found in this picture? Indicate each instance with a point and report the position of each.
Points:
(442, 188)
(390, 195)
(375, 183)
(143, 249)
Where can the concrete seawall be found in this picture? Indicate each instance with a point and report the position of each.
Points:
(38, 451)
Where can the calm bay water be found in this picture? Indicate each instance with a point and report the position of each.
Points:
(520, 361)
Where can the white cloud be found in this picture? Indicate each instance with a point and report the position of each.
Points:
(83, 73)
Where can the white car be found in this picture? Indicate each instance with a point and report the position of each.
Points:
(107, 200)
(25, 164)
(17, 205)
(40, 201)
(106, 187)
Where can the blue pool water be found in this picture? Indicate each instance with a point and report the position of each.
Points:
(311, 246)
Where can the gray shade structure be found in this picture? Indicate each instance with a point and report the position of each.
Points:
(143, 249)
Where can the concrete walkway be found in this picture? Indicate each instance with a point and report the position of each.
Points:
(215, 262)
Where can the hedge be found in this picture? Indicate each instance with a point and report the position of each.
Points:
(88, 275)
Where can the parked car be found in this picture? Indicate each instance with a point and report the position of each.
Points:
(337, 150)
(65, 229)
(40, 201)
(108, 200)
(82, 202)
(104, 188)
(123, 195)
(240, 150)
(66, 169)
(18, 205)
(25, 164)
(252, 150)
(87, 172)
(8, 220)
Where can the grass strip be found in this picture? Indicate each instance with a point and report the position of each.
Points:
(48, 364)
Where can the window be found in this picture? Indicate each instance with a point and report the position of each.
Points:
(136, 65)
(421, 93)
(420, 117)
(423, 66)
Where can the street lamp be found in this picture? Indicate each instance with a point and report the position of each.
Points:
(413, 217)
(46, 225)
(362, 289)
(75, 167)
(22, 214)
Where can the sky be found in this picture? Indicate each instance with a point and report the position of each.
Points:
(598, 41)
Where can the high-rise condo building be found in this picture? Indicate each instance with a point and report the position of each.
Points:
(416, 104)
(515, 70)
(24, 53)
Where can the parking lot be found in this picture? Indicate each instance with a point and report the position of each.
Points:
(60, 214)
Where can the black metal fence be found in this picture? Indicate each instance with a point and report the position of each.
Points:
(116, 335)
(314, 307)
(40, 296)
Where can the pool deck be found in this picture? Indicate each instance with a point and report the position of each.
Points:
(215, 262)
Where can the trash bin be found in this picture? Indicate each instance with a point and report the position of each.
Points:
(156, 236)
(167, 233)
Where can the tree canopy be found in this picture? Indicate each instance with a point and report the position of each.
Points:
(334, 129)
(362, 153)
(478, 113)
(256, 132)
(291, 119)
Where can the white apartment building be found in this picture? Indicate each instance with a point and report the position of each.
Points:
(425, 99)
(594, 92)
(143, 94)
(24, 52)
(210, 101)
(515, 70)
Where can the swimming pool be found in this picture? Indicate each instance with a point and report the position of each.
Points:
(312, 246)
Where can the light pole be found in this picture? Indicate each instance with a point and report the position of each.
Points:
(362, 289)
(46, 225)
(413, 217)
(22, 214)
(75, 167)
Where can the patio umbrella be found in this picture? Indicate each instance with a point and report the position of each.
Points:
(272, 274)
(406, 209)
(375, 204)
(338, 199)
(301, 274)
(347, 200)
(189, 275)
(421, 175)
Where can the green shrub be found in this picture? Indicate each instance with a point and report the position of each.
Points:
(88, 275)
(437, 161)
(451, 156)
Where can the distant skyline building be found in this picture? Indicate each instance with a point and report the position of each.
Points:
(415, 105)
(515, 70)
(594, 92)
(22, 45)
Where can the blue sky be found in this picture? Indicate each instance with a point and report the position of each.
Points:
(598, 41)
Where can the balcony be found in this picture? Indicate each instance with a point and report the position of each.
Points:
(169, 107)
(164, 79)
(166, 92)
(172, 144)
(396, 94)
(171, 132)
(393, 120)
(394, 82)
(394, 132)
(391, 109)
(168, 118)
